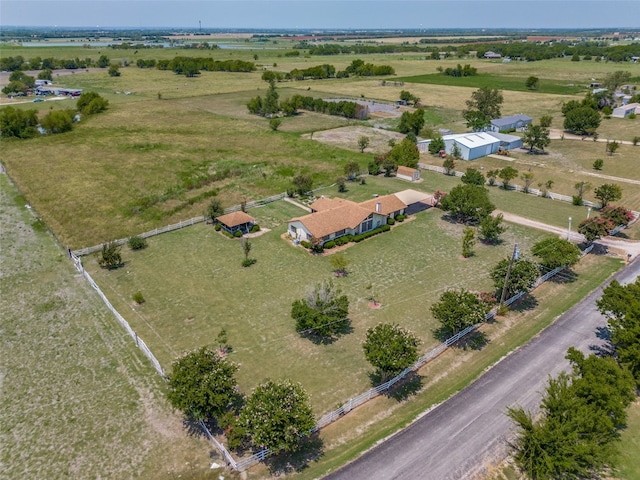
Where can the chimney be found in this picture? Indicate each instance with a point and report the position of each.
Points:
(378, 207)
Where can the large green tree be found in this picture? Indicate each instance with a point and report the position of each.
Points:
(16, 123)
(621, 305)
(458, 309)
(556, 252)
(278, 416)
(522, 276)
(581, 415)
(58, 121)
(536, 137)
(91, 102)
(202, 384)
(582, 120)
(405, 153)
(412, 122)
(483, 106)
(468, 203)
(390, 349)
(607, 193)
(323, 312)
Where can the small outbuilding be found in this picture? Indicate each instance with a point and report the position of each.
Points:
(512, 122)
(236, 221)
(625, 110)
(407, 173)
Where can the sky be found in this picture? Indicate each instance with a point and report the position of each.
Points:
(323, 14)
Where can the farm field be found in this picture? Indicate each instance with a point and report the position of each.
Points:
(78, 400)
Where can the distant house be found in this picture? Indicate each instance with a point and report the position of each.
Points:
(626, 110)
(40, 82)
(512, 122)
(236, 221)
(507, 142)
(335, 217)
(407, 173)
(491, 54)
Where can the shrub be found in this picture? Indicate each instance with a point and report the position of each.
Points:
(217, 227)
(330, 244)
(138, 298)
(317, 248)
(343, 240)
(255, 228)
(598, 164)
(635, 140)
(371, 233)
(576, 200)
(137, 243)
(110, 257)
(632, 116)
(247, 262)
(305, 244)
(237, 234)
(390, 221)
(400, 218)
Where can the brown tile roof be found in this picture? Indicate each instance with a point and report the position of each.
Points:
(235, 218)
(326, 222)
(388, 204)
(326, 203)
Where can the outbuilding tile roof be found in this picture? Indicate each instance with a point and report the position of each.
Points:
(235, 219)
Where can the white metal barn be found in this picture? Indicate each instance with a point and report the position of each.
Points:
(472, 145)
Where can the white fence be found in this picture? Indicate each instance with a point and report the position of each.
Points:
(181, 224)
(139, 342)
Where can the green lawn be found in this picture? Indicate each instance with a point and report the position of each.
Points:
(495, 81)
(629, 462)
(194, 286)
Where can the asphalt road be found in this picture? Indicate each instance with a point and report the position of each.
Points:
(459, 438)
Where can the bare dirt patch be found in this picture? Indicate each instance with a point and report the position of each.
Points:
(347, 137)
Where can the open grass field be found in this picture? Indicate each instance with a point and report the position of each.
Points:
(629, 462)
(77, 399)
(194, 286)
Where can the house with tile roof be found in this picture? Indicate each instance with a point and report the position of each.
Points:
(236, 221)
(335, 217)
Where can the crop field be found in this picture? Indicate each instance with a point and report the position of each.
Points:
(194, 286)
(78, 400)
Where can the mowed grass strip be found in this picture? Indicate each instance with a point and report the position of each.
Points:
(78, 399)
(194, 286)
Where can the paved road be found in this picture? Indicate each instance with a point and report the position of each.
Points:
(459, 438)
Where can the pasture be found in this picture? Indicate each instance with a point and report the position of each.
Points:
(78, 399)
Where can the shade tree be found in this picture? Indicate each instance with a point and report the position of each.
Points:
(457, 310)
(607, 193)
(556, 252)
(522, 275)
(277, 416)
(491, 227)
(322, 313)
(390, 349)
(202, 384)
(468, 203)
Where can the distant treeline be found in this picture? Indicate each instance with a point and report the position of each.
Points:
(358, 68)
(191, 66)
(514, 49)
(343, 108)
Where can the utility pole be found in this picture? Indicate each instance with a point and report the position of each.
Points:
(514, 256)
